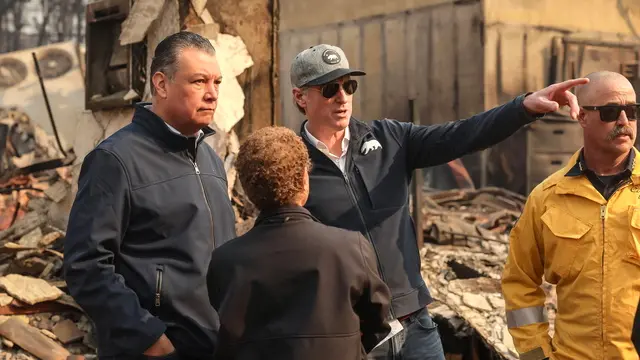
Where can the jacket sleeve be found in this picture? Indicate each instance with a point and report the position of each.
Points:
(521, 280)
(373, 306)
(97, 223)
(430, 145)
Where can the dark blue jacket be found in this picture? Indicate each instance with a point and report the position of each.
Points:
(373, 196)
(144, 223)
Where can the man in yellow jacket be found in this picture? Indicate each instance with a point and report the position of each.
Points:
(580, 230)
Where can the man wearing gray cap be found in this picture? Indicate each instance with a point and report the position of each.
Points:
(361, 174)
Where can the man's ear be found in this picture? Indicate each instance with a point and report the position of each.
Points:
(582, 118)
(159, 81)
(298, 97)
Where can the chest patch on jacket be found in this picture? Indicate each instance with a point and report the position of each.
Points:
(370, 146)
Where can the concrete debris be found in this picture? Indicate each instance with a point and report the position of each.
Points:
(28, 289)
(67, 331)
(135, 26)
(466, 235)
(199, 6)
(32, 340)
(476, 301)
(233, 58)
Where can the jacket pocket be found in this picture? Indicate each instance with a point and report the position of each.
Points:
(564, 236)
(157, 302)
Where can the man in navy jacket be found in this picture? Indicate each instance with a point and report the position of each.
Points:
(361, 175)
(152, 205)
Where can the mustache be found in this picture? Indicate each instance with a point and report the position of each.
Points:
(620, 130)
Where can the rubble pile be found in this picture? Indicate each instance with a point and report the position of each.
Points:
(466, 246)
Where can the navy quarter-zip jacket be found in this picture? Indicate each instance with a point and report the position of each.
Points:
(372, 197)
(151, 206)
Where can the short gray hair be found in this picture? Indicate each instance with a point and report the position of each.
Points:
(165, 57)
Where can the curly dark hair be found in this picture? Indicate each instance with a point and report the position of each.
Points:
(271, 166)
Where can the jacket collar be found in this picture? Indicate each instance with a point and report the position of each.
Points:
(159, 130)
(567, 184)
(284, 214)
(357, 130)
(580, 166)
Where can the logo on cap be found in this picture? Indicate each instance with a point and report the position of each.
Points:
(331, 57)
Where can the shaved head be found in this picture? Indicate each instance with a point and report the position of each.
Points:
(601, 82)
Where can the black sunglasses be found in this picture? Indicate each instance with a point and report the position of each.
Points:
(331, 89)
(611, 113)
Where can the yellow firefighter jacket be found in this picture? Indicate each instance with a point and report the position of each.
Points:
(590, 248)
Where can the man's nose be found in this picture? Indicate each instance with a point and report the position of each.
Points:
(623, 120)
(341, 95)
(211, 93)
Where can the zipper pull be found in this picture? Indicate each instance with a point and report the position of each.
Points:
(158, 286)
(195, 166)
(603, 211)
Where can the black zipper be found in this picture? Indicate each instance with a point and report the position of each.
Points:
(159, 272)
(603, 213)
(354, 199)
(206, 200)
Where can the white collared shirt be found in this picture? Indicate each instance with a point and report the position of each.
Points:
(174, 130)
(340, 161)
(198, 134)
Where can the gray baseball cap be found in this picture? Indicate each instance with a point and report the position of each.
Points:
(319, 65)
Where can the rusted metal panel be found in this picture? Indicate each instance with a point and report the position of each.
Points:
(395, 84)
(469, 59)
(372, 91)
(419, 26)
(469, 69)
(329, 36)
(491, 59)
(510, 63)
(442, 70)
(296, 14)
(289, 116)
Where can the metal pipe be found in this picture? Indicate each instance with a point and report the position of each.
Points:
(46, 101)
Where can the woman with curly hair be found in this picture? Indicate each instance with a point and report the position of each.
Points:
(291, 287)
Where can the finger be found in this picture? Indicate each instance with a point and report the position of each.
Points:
(573, 104)
(566, 85)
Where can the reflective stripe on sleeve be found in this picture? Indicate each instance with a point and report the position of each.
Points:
(526, 316)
